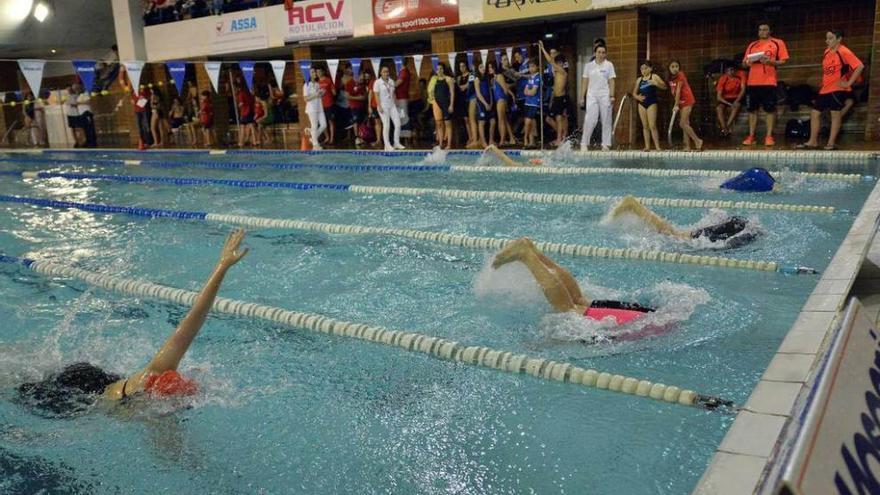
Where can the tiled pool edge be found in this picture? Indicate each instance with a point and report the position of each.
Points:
(748, 453)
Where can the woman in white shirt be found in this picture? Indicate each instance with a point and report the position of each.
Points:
(312, 93)
(598, 95)
(387, 107)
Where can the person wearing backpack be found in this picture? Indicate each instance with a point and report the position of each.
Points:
(840, 69)
(762, 57)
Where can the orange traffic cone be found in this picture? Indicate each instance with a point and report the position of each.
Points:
(141, 146)
(306, 141)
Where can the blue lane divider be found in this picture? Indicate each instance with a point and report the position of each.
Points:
(98, 208)
(192, 181)
(16, 261)
(242, 165)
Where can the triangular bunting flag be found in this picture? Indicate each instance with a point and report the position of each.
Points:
(356, 67)
(398, 63)
(213, 70)
(417, 60)
(510, 54)
(470, 59)
(484, 57)
(33, 73)
(435, 61)
(134, 68)
(177, 69)
(376, 68)
(247, 70)
(333, 65)
(278, 67)
(452, 61)
(85, 69)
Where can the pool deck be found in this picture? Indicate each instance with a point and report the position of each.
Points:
(746, 460)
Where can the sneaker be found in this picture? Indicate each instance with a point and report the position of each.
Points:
(389, 148)
(399, 146)
(769, 141)
(317, 148)
(749, 141)
(359, 142)
(606, 148)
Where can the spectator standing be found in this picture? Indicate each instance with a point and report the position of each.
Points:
(387, 108)
(34, 119)
(176, 118)
(560, 103)
(401, 96)
(442, 94)
(157, 120)
(485, 103)
(143, 113)
(598, 97)
(343, 104)
(357, 99)
(683, 102)
(503, 98)
(206, 118)
(328, 97)
(313, 93)
(73, 120)
(464, 97)
(532, 93)
(762, 57)
(87, 118)
(729, 92)
(645, 92)
(373, 98)
(245, 102)
(840, 70)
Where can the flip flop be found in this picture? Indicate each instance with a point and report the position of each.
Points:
(805, 147)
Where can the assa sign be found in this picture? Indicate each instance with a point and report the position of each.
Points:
(319, 19)
(237, 25)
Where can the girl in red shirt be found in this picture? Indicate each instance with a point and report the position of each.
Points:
(683, 99)
(729, 91)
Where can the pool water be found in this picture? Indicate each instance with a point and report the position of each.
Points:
(284, 410)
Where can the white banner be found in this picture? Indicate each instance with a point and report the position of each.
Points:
(417, 61)
(376, 61)
(213, 70)
(319, 20)
(240, 32)
(452, 62)
(484, 56)
(134, 68)
(333, 65)
(278, 67)
(33, 74)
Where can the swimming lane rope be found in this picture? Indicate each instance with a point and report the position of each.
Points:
(410, 341)
(346, 167)
(552, 198)
(465, 241)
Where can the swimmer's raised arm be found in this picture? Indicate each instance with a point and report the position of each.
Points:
(632, 206)
(178, 343)
(173, 350)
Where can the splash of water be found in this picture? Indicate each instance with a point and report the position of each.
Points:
(436, 157)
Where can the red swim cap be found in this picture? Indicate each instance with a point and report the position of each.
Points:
(170, 383)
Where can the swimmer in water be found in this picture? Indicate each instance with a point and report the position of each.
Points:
(78, 385)
(730, 231)
(508, 161)
(561, 289)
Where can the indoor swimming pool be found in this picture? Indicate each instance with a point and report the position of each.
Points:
(283, 409)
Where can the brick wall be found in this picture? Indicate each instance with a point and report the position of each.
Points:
(873, 128)
(698, 37)
(626, 34)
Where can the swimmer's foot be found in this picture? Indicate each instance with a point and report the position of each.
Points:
(512, 252)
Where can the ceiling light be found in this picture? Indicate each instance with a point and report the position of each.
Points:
(41, 11)
(549, 36)
(54, 50)
(17, 10)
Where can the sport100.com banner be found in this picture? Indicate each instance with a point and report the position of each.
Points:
(395, 16)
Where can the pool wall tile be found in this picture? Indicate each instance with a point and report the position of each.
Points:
(753, 434)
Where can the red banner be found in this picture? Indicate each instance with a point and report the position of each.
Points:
(396, 16)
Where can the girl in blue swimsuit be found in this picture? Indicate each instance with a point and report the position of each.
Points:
(645, 92)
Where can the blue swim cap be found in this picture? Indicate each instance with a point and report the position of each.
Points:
(752, 180)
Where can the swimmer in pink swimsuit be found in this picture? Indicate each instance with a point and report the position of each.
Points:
(561, 289)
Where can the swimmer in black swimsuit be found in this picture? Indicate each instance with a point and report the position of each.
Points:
(731, 231)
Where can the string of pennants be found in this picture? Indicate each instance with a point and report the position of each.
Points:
(32, 69)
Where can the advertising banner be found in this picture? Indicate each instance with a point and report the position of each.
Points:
(396, 16)
(319, 20)
(514, 10)
(239, 32)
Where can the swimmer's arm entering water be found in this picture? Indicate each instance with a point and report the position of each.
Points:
(178, 343)
(632, 206)
(509, 162)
